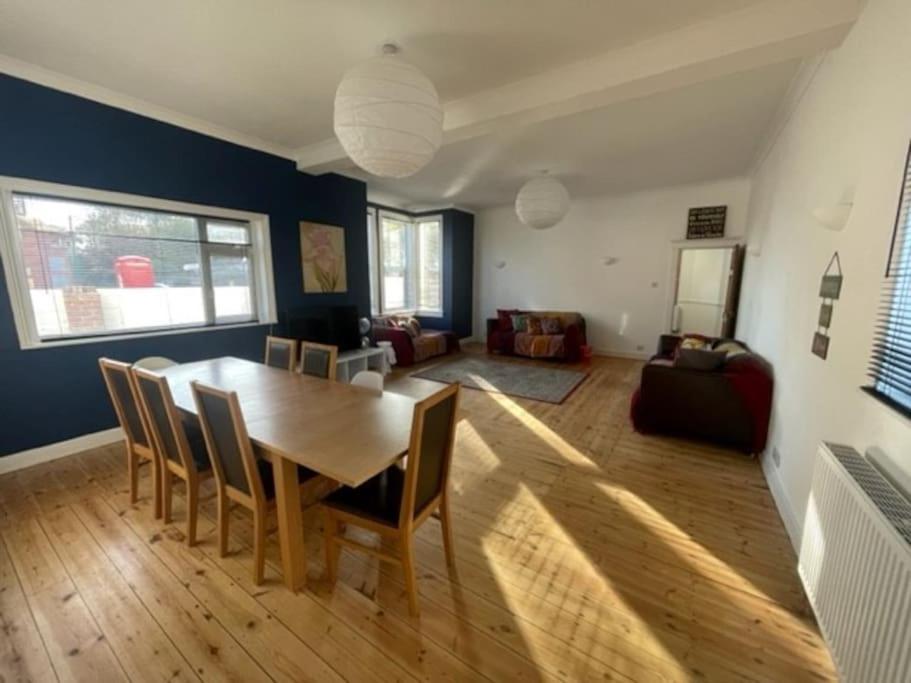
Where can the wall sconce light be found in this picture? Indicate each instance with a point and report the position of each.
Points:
(833, 216)
(500, 265)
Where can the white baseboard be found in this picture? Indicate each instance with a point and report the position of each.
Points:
(785, 511)
(61, 449)
(634, 355)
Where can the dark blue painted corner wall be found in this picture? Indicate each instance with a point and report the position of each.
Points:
(48, 395)
(458, 273)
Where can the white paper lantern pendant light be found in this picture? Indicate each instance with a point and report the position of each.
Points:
(388, 116)
(542, 202)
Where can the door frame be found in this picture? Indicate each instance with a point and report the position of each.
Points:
(678, 246)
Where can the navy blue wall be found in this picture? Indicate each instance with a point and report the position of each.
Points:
(47, 395)
(458, 273)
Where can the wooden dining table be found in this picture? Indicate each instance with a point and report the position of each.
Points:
(343, 432)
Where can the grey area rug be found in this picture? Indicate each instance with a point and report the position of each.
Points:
(550, 385)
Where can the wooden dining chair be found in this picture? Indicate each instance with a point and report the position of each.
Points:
(318, 360)
(180, 445)
(241, 477)
(395, 503)
(140, 448)
(369, 379)
(281, 353)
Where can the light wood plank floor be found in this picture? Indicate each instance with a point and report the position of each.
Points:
(584, 552)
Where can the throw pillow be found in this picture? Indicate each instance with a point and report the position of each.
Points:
(551, 326)
(412, 327)
(698, 359)
(731, 348)
(694, 341)
(416, 324)
(534, 325)
(519, 322)
(504, 318)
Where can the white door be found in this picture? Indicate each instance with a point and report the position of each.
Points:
(702, 282)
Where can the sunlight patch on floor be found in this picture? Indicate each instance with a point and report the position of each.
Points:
(556, 442)
(564, 569)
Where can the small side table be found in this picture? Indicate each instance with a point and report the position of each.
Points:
(350, 363)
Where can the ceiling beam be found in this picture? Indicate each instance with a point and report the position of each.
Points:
(767, 33)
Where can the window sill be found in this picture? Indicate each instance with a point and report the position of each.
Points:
(53, 343)
(412, 313)
(890, 403)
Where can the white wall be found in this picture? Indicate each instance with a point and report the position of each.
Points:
(626, 305)
(849, 132)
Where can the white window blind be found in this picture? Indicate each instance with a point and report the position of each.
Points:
(890, 362)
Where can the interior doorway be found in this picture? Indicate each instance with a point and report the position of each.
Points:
(707, 290)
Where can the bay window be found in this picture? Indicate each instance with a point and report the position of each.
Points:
(406, 263)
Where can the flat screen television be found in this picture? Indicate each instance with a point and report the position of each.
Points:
(336, 325)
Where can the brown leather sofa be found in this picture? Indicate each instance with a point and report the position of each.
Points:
(729, 405)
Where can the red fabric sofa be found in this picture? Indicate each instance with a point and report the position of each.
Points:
(413, 348)
(729, 406)
(501, 338)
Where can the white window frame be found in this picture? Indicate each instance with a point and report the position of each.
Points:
(414, 222)
(263, 283)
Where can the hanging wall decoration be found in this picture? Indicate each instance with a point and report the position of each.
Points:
(706, 222)
(829, 291)
(323, 258)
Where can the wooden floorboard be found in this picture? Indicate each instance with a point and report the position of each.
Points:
(584, 552)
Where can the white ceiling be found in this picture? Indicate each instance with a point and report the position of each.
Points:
(610, 95)
(269, 68)
(701, 132)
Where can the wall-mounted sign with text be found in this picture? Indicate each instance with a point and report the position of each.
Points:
(706, 222)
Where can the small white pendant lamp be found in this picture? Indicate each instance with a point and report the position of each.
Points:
(542, 202)
(388, 116)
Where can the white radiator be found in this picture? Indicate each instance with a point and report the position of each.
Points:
(855, 564)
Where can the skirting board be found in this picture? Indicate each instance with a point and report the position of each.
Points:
(61, 449)
(785, 511)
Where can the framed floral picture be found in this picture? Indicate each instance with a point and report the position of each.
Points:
(323, 258)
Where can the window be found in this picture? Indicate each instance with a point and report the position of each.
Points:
(406, 263)
(83, 264)
(890, 364)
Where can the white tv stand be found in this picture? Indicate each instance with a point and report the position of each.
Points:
(350, 363)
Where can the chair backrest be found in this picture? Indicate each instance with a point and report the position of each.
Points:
(430, 451)
(318, 360)
(281, 353)
(154, 363)
(369, 379)
(164, 421)
(120, 385)
(227, 440)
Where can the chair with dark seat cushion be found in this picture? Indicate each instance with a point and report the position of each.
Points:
(318, 360)
(281, 353)
(395, 503)
(241, 477)
(180, 445)
(139, 444)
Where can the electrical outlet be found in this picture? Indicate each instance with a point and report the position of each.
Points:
(776, 456)
(639, 347)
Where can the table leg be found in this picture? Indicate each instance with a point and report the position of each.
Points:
(290, 522)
